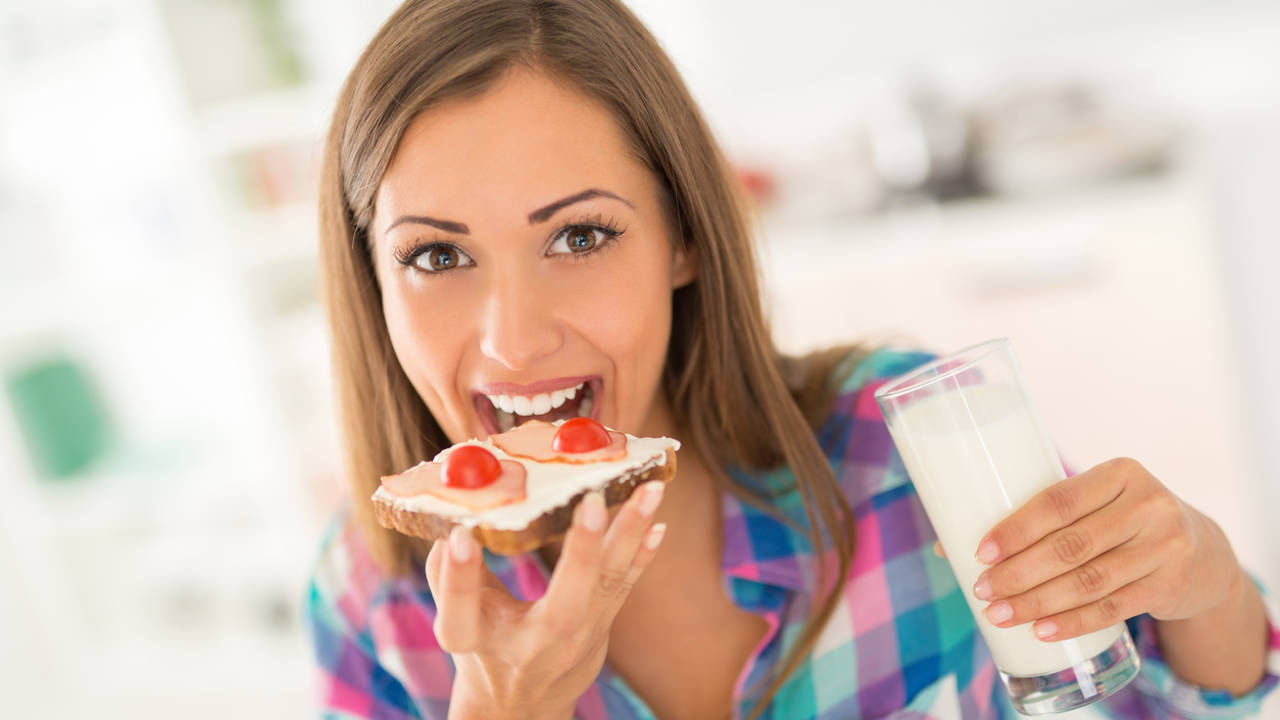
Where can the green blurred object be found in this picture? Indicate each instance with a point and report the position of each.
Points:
(60, 414)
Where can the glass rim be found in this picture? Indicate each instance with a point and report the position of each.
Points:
(909, 382)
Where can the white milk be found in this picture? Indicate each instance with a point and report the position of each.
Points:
(971, 479)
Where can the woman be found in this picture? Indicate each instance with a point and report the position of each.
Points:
(520, 192)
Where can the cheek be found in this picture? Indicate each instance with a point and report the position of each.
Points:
(427, 347)
(639, 320)
(626, 313)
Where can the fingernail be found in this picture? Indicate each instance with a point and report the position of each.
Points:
(654, 536)
(652, 495)
(988, 552)
(999, 612)
(461, 544)
(983, 588)
(594, 515)
(1045, 629)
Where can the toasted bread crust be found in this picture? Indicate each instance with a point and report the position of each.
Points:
(547, 527)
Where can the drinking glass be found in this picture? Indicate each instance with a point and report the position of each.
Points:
(977, 450)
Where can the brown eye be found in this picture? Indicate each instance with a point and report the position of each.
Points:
(443, 258)
(581, 240)
(437, 258)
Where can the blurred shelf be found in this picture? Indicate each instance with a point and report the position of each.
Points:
(140, 499)
(299, 113)
(277, 234)
(40, 309)
(165, 668)
(190, 326)
(904, 231)
(235, 675)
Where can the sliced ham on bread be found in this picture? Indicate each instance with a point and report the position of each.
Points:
(524, 495)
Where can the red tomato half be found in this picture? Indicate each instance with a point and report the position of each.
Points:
(470, 467)
(580, 435)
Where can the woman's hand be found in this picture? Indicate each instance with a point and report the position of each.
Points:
(1100, 547)
(535, 659)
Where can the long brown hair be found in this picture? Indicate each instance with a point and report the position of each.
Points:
(735, 398)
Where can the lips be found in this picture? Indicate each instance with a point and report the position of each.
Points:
(503, 406)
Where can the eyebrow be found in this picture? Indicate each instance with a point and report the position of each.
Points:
(446, 225)
(541, 214)
(537, 216)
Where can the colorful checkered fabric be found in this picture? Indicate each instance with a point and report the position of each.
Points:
(902, 642)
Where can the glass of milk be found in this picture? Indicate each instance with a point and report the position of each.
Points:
(976, 450)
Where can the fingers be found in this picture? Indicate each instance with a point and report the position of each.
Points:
(1054, 508)
(569, 592)
(455, 572)
(491, 582)
(1077, 589)
(598, 568)
(648, 548)
(1059, 552)
(1108, 610)
(625, 542)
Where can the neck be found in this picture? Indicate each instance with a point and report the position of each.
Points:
(694, 493)
(659, 421)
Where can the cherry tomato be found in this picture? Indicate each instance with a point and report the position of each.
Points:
(580, 435)
(470, 467)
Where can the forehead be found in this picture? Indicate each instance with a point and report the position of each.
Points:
(527, 140)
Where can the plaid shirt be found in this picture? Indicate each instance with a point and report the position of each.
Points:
(902, 642)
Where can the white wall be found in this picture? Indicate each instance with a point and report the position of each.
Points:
(1244, 157)
(785, 83)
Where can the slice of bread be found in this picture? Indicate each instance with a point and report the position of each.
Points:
(552, 491)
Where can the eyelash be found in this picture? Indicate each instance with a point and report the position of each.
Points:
(608, 226)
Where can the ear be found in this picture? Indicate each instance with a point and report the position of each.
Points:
(684, 266)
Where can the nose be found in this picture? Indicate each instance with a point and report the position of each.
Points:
(520, 326)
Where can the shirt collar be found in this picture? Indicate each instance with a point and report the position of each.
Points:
(758, 546)
(761, 547)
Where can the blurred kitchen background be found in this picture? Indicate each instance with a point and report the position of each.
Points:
(1095, 179)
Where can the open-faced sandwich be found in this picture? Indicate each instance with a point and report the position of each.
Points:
(516, 490)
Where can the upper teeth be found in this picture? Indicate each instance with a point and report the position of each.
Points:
(535, 405)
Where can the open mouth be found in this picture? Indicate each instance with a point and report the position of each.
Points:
(500, 413)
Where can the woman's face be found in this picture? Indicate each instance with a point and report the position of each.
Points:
(524, 256)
